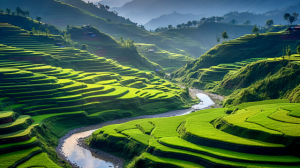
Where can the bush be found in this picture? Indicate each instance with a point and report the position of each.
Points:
(84, 47)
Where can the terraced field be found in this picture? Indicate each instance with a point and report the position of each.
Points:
(43, 95)
(253, 136)
(208, 78)
(230, 56)
(168, 60)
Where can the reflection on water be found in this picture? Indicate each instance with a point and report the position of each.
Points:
(205, 102)
(87, 159)
(83, 157)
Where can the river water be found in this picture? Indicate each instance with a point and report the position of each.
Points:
(78, 156)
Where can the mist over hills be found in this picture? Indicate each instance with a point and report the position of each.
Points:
(176, 18)
(142, 11)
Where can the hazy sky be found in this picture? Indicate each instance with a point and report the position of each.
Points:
(111, 3)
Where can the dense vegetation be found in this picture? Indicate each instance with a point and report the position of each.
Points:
(47, 90)
(258, 134)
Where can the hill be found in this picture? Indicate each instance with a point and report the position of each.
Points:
(103, 13)
(260, 19)
(168, 60)
(67, 15)
(257, 134)
(100, 43)
(47, 90)
(197, 40)
(240, 49)
(245, 70)
(173, 19)
(142, 11)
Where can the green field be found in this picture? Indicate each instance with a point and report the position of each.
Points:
(207, 138)
(47, 91)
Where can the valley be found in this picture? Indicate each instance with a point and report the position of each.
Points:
(83, 86)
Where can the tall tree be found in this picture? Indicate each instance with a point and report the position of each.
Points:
(189, 23)
(233, 21)
(27, 13)
(8, 10)
(194, 22)
(292, 19)
(247, 22)
(255, 29)
(38, 18)
(224, 35)
(295, 15)
(269, 22)
(18, 11)
(178, 26)
(286, 17)
(170, 27)
(298, 50)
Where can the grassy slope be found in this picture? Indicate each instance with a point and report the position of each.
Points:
(259, 80)
(245, 47)
(168, 60)
(110, 48)
(98, 12)
(89, 97)
(177, 138)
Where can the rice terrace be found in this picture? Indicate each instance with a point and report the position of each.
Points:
(149, 84)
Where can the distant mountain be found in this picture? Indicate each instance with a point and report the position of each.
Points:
(176, 18)
(173, 19)
(142, 11)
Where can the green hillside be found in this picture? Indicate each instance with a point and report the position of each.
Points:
(103, 13)
(198, 40)
(47, 90)
(168, 60)
(262, 80)
(211, 67)
(259, 134)
(102, 45)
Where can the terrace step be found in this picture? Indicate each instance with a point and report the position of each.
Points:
(206, 137)
(14, 159)
(39, 160)
(7, 117)
(20, 123)
(7, 148)
(18, 136)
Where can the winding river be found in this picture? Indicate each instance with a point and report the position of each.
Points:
(79, 155)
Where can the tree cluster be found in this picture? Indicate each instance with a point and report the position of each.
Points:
(291, 18)
(269, 22)
(18, 12)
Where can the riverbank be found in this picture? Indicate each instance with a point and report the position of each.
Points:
(78, 135)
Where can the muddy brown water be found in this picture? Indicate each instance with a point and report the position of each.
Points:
(77, 155)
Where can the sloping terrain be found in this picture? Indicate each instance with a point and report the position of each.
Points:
(258, 134)
(168, 60)
(100, 44)
(234, 53)
(47, 90)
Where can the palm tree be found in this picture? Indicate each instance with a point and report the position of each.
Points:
(8, 10)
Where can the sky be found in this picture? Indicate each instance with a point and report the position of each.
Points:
(111, 3)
